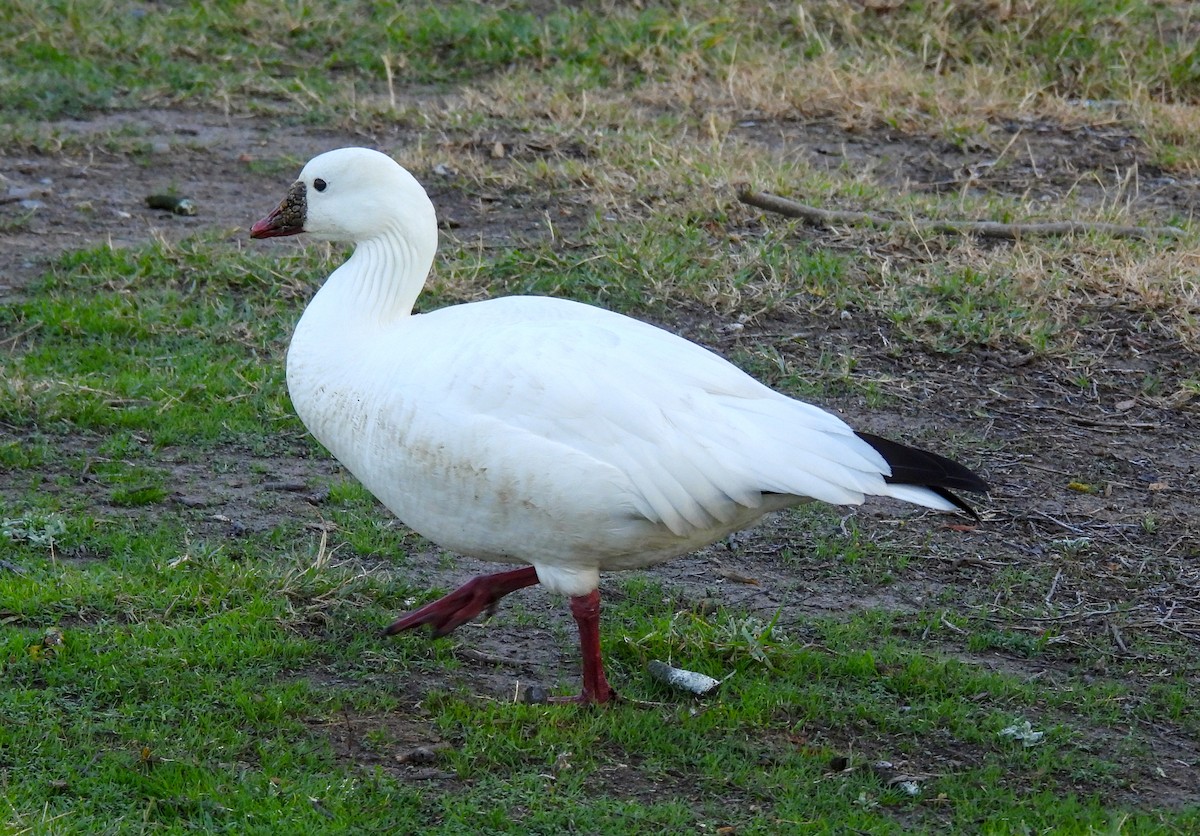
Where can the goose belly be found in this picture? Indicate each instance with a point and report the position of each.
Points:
(483, 489)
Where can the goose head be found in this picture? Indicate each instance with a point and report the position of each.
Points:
(354, 195)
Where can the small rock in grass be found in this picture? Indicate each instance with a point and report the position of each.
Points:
(422, 754)
(535, 695)
(696, 683)
(172, 203)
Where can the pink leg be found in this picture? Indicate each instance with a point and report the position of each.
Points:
(586, 609)
(468, 601)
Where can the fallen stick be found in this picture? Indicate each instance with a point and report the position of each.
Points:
(989, 229)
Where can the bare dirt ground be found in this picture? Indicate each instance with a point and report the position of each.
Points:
(1107, 575)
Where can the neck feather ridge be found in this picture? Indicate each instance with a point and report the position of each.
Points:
(382, 278)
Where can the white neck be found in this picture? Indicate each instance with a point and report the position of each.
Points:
(377, 285)
(347, 321)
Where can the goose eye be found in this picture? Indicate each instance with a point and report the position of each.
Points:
(319, 184)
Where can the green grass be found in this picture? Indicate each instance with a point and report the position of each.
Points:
(190, 690)
(60, 63)
(173, 668)
(152, 341)
(68, 66)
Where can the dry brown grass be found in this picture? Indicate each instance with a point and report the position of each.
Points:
(927, 98)
(662, 161)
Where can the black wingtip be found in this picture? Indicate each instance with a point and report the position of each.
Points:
(958, 502)
(914, 466)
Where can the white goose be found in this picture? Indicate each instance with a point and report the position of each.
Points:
(542, 431)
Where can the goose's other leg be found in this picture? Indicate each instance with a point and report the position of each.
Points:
(586, 609)
(466, 602)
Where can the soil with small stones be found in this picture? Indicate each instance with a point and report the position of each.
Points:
(1090, 540)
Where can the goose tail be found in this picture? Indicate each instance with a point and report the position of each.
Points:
(916, 472)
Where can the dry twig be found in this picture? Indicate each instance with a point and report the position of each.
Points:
(988, 229)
